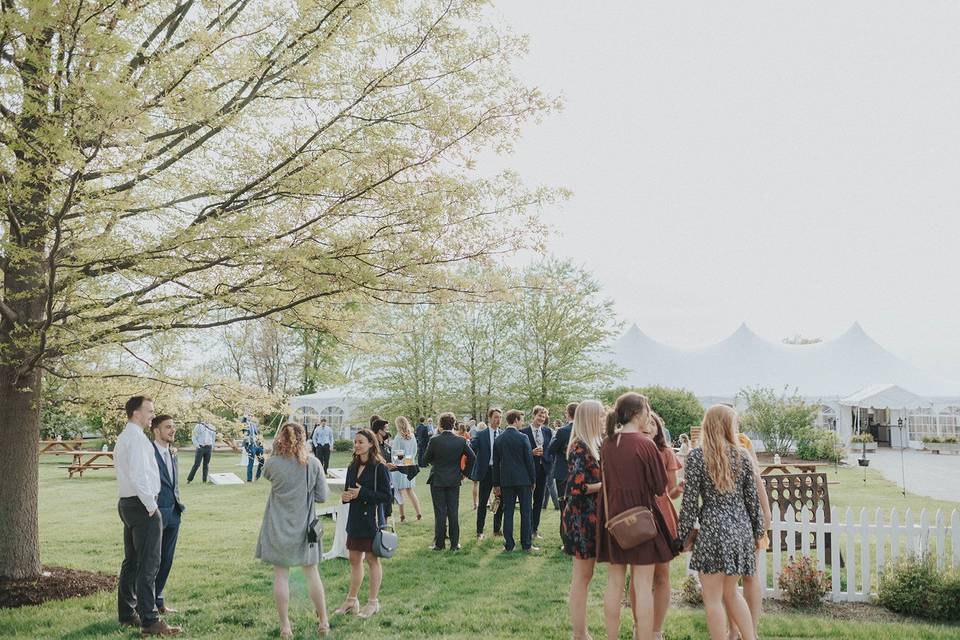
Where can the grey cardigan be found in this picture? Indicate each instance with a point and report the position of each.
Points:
(283, 532)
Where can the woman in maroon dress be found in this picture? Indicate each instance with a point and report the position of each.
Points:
(633, 476)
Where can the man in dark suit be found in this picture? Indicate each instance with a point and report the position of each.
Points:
(558, 458)
(444, 453)
(539, 436)
(422, 435)
(513, 479)
(482, 471)
(164, 430)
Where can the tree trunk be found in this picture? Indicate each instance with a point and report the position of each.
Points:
(20, 426)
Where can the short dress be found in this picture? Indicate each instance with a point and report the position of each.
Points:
(730, 523)
(409, 448)
(633, 474)
(579, 518)
(671, 465)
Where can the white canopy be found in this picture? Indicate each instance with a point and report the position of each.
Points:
(885, 396)
(832, 369)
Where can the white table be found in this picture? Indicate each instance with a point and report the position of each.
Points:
(338, 548)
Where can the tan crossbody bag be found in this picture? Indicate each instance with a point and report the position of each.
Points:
(631, 527)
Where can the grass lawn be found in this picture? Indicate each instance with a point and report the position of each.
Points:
(222, 592)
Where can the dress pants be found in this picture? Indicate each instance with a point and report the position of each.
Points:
(136, 587)
(510, 495)
(202, 455)
(486, 486)
(167, 547)
(446, 507)
(539, 489)
(551, 493)
(323, 455)
(562, 492)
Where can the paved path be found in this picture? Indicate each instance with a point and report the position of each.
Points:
(927, 474)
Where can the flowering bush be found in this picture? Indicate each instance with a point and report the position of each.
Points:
(690, 591)
(802, 584)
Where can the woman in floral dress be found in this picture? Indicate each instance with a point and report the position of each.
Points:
(720, 474)
(579, 516)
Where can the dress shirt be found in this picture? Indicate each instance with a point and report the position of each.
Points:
(322, 436)
(493, 436)
(204, 435)
(165, 455)
(138, 475)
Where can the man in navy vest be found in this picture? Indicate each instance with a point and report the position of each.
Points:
(168, 500)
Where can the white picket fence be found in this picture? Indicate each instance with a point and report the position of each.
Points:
(868, 546)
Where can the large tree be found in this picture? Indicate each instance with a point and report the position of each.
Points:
(182, 165)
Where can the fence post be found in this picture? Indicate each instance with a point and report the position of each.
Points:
(851, 557)
(834, 556)
(864, 555)
(894, 536)
(790, 526)
(955, 537)
(821, 540)
(881, 530)
(805, 531)
(776, 527)
(911, 549)
(941, 538)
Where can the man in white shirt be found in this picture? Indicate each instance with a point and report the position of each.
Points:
(322, 438)
(204, 437)
(138, 483)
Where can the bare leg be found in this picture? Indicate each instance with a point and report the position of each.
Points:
(281, 595)
(661, 594)
(712, 584)
(616, 578)
(582, 574)
(356, 573)
(476, 493)
(317, 595)
(753, 593)
(411, 495)
(402, 514)
(376, 575)
(737, 607)
(642, 577)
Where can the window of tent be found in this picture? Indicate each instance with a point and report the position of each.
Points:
(826, 418)
(921, 424)
(950, 422)
(334, 416)
(307, 416)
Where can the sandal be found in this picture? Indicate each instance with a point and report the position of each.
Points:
(323, 628)
(350, 605)
(369, 609)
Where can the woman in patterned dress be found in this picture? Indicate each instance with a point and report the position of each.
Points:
(579, 516)
(720, 473)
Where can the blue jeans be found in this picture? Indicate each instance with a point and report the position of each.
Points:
(250, 467)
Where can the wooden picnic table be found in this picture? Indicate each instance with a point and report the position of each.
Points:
(59, 447)
(784, 467)
(90, 460)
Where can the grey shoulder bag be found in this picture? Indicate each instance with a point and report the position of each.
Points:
(384, 542)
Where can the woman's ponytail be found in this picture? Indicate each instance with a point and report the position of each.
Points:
(613, 424)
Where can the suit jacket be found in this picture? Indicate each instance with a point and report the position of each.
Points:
(558, 451)
(168, 500)
(481, 446)
(542, 463)
(444, 452)
(513, 460)
(422, 434)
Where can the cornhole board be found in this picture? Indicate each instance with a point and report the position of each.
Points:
(225, 478)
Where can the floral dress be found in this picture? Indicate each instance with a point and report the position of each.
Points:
(730, 523)
(580, 513)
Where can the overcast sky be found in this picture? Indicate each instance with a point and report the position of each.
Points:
(793, 165)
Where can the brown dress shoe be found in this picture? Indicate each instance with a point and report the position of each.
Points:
(160, 628)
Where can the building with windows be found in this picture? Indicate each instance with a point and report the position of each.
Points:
(859, 385)
(338, 405)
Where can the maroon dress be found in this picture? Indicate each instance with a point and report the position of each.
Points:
(633, 474)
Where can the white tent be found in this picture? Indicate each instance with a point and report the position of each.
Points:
(338, 405)
(888, 405)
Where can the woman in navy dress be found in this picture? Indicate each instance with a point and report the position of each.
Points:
(579, 517)
(366, 488)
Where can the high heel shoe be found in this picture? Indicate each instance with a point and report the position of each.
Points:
(369, 609)
(350, 605)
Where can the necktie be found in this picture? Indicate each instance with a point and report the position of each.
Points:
(173, 478)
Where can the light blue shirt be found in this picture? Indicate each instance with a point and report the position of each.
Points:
(322, 436)
(204, 435)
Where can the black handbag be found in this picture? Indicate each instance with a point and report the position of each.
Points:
(314, 525)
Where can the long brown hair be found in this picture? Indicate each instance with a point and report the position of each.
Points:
(658, 438)
(717, 437)
(291, 442)
(626, 407)
(373, 455)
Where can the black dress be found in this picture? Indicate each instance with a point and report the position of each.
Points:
(579, 517)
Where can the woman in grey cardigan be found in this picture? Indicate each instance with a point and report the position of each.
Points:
(297, 482)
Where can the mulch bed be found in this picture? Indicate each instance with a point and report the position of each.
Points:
(56, 583)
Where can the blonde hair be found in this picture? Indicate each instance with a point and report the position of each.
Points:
(291, 442)
(718, 435)
(588, 423)
(403, 427)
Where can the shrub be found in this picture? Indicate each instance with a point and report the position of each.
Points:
(818, 444)
(950, 440)
(862, 438)
(930, 439)
(690, 592)
(679, 408)
(343, 445)
(801, 584)
(945, 603)
(908, 587)
(777, 420)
